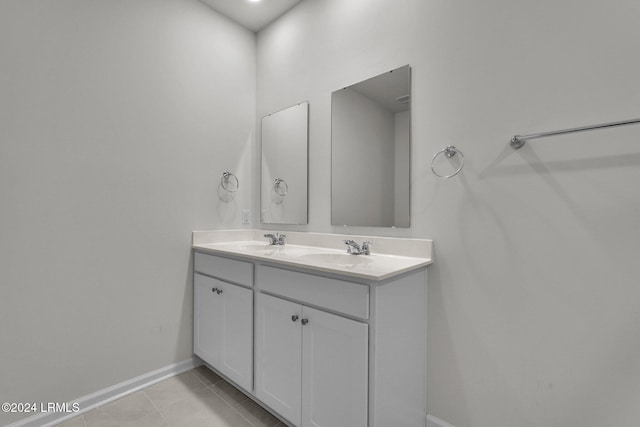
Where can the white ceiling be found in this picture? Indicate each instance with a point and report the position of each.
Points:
(252, 15)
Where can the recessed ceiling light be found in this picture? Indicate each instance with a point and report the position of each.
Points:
(255, 1)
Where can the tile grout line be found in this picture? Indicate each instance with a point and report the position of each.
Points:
(217, 385)
(241, 415)
(234, 407)
(222, 397)
(197, 377)
(239, 404)
(193, 374)
(248, 399)
(144, 391)
(219, 394)
(208, 386)
(220, 380)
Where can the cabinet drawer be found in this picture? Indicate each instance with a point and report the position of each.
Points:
(224, 268)
(344, 297)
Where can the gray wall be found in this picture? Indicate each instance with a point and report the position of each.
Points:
(117, 119)
(533, 297)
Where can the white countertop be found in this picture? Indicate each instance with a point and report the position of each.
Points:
(394, 256)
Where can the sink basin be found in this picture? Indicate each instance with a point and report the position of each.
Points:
(259, 248)
(320, 257)
(254, 246)
(344, 260)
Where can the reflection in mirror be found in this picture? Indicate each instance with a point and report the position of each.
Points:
(284, 166)
(370, 151)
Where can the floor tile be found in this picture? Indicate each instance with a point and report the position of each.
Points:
(256, 414)
(229, 393)
(176, 388)
(73, 422)
(202, 408)
(135, 410)
(195, 398)
(206, 375)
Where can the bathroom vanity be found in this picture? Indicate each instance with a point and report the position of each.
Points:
(318, 336)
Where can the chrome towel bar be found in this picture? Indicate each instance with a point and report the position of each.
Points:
(518, 140)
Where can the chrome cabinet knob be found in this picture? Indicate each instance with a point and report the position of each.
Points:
(214, 289)
(218, 291)
(294, 317)
(304, 321)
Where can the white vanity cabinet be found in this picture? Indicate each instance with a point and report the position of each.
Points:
(311, 366)
(223, 327)
(319, 349)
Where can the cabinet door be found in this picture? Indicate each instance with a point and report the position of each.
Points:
(335, 370)
(235, 323)
(206, 334)
(223, 328)
(278, 355)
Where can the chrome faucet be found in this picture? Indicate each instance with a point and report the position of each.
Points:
(355, 249)
(275, 239)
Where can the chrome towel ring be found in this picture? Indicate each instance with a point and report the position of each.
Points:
(449, 152)
(278, 186)
(229, 182)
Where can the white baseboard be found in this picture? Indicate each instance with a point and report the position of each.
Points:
(436, 422)
(109, 394)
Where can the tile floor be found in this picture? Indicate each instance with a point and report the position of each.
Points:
(195, 398)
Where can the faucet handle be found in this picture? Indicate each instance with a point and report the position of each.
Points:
(353, 247)
(366, 247)
(351, 243)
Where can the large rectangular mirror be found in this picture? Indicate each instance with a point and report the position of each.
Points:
(370, 151)
(284, 166)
